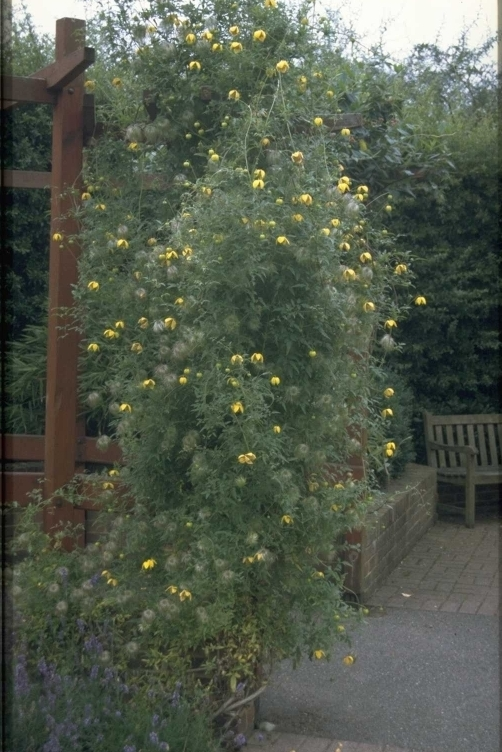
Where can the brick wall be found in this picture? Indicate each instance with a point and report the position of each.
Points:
(401, 517)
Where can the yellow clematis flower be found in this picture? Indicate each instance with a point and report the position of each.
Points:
(389, 392)
(318, 121)
(172, 589)
(125, 408)
(348, 660)
(335, 222)
(282, 240)
(112, 581)
(57, 237)
(276, 429)
(170, 323)
(142, 323)
(183, 380)
(297, 157)
(420, 300)
(365, 257)
(387, 412)
(390, 324)
(286, 519)
(256, 358)
(194, 66)
(246, 459)
(85, 196)
(237, 408)
(133, 146)
(94, 286)
(259, 35)
(282, 66)
(117, 81)
(233, 382)
(136, 347)
(148, 564)
(344, 246)
(190, 38)
(400, 269)
(110, 334)
(297, 217)
(207, 35)
(368, 307)
(217, 47)
(236, 360)
(259, 174)
(122, 243)
(306, 199)
(275, 381)
(265, 142)
(312, 354)
(93, 347)
(325, 231)
(270, 3)
(89, 86)
(349, 275)
(148, 384)
(234, 30)
(345, 132)
(236, 47)
(258, 184)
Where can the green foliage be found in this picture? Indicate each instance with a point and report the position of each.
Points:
(27, 134)
(232, 320)
(451, 355)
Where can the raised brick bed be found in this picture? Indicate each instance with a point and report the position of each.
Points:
(399, 520)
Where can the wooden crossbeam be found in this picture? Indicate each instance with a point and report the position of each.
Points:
(25, 89)
(64, 71)
(25, 179)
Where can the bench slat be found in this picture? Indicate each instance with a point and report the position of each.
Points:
(465, 420)
(499, 432)
(471, 440)
(460, 442)
(494, 458)
(483, 457)
(438, 436)
(452, 457)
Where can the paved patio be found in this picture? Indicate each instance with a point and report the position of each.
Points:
(428, 696)
(450, 569)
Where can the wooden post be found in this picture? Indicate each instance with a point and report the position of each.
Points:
(62, 346)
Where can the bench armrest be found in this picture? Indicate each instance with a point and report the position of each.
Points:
(451, 448)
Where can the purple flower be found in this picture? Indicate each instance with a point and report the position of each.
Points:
(124, 688)
(154, 737)
(239, 741)
(22, 682)
(81, 625)
(164, 746)
(94, 672)
(175, 697)
(129, 748)
(95, 578)
(63, 572)
(109, 674)
(155, 719)
(92, 644)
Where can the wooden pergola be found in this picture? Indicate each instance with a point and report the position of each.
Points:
(64, 449)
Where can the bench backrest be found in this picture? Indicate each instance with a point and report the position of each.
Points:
(483, 432)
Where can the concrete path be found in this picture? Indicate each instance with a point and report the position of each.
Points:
(426, 677)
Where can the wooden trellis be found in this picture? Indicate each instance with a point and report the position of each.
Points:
(64, 449)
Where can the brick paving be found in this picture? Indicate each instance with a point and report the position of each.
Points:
(452, 568)
(284, 742)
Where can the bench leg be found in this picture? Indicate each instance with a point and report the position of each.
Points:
(470, 495)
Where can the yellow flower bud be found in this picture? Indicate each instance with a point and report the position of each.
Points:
(275, 381)
(93, 347)
(125, 408)
(420, 300)
(318, 654)
(117, 82)
(344, 246)
(345, 132)
(57, 237)
(276, 429)
(270, 3)
(387, 412)
(400, 269)
(318, 121)
(388, 208)
(282, 66)
(133, 146)
(93, 286)
(258, 184)
(282, 240)
(183, 380)
(368, 307)
(325, 231)
(389, 392)
(214, 157)
(286, 519)
(330, 93)
(259, 35)
(237, 408)
(312, 353)
(89, 86)
(265, 142)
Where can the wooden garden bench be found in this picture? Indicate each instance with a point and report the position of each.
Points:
(466, 451)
